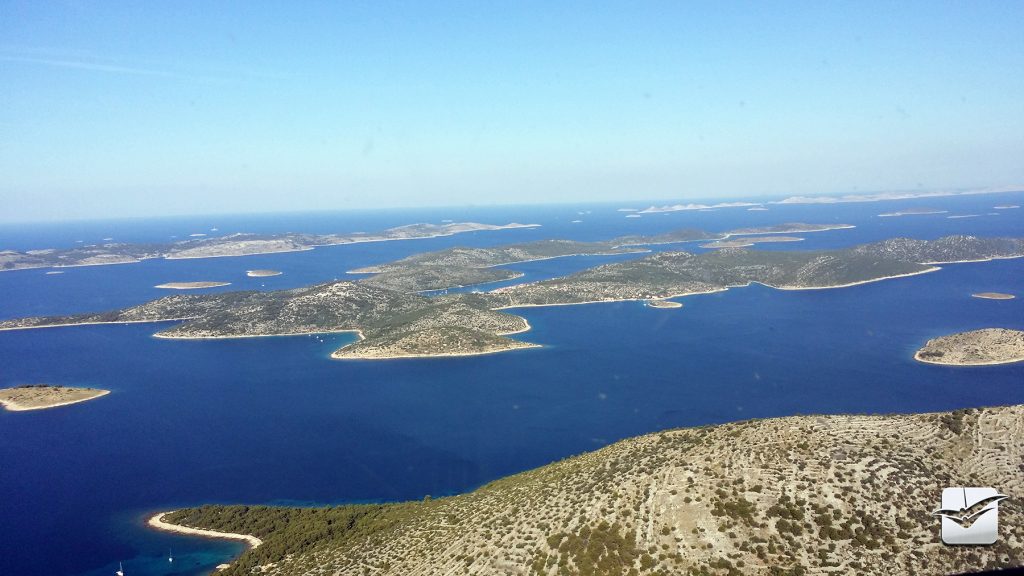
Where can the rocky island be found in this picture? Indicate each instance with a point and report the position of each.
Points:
(744, 241)
(229, 245)
(974, 348)
(394, 321)
(460, 266)
(993, 296)
(261, 273)
(788, 228)
(673, 237)
(191, 285)
(459, 257)
(670, 274)
(391, 323)
(42, 396)
(804, 494)
(693, 206)
(913, 212)
(664, 304)
(433, 342)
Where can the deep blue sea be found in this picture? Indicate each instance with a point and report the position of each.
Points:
(274, 420)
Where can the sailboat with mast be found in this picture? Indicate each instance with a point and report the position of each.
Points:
(120, 570)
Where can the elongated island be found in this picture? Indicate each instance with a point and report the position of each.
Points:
(43, 396)
(913, 212)
(191, 285)
(743, 242)
(229, 245)
(993, 296)
(263, 273)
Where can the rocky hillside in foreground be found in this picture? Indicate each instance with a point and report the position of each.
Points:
(798, 495)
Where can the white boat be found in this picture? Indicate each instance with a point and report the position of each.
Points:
(120, 570)
(170, 556)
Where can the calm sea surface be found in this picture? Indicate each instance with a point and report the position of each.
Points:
(274, 420)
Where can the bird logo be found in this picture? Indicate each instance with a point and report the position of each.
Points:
(969, 515)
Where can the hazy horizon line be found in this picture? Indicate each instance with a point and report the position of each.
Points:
(715, 202)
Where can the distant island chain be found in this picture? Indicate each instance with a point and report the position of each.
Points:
(394, 320)
(229, 245)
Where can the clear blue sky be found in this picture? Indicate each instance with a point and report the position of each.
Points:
(140, 108)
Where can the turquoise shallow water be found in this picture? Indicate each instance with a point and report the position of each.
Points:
(275, 420)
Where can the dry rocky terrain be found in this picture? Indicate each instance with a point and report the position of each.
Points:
(40, 396)
(667, 274)
(191, 285)
(993, 296)
(744, 241)
(977, 347)
(229, 245)
(798, 495)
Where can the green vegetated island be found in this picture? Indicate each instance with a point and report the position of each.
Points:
(42, 396)
(786, 496)
(229, 245)
(394, 321)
